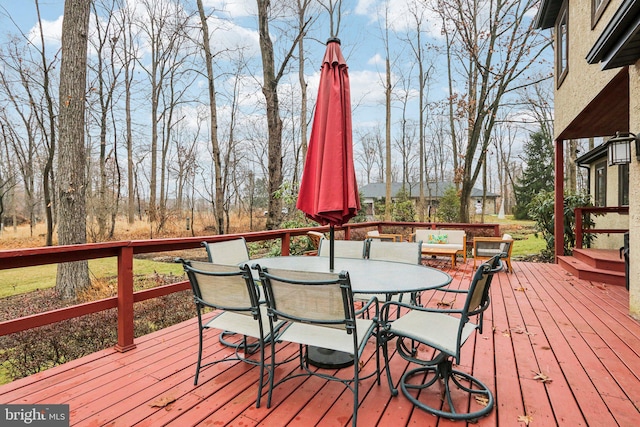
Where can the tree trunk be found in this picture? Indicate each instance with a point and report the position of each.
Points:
(274, 122)
(72, 277)
(215, 146)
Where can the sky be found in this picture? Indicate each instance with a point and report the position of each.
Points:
(361, 34)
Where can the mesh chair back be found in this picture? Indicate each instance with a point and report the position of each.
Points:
(315, 238)
(478, 298)
(309, 297)
(405, 252)
(343, 248)
(228, 252)
(222, 286)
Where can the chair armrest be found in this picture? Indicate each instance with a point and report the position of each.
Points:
(373, 301)
(385, 310)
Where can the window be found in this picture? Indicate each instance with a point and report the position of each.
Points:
(600, 195)
(562, 44)
(597, 8)
(623, 185)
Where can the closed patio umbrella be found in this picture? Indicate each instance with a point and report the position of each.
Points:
(328, 189)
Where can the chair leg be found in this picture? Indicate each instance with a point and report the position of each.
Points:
(449, 376)
(384, 339)
(195, 379)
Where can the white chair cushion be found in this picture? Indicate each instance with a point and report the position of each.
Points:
(240, 323)
(438, 330)
(325, 337)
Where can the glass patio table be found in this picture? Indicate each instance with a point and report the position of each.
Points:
(367, 277)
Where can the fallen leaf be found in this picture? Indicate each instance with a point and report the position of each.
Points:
(482, 400)
(163, 401)
(542, 377)
(445, 304)
(521, 289)
(520, 331)
(506, 333)
(526, 419)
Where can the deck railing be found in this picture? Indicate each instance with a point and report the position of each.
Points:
(125, 252)
(602, 210)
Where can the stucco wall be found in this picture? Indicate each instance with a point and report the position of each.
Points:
(572, 97)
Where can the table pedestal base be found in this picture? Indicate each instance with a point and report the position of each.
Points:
(328, 359)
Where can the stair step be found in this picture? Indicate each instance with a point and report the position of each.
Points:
(584, 271)
(603, 259)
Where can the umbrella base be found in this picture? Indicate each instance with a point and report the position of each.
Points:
(328, 359)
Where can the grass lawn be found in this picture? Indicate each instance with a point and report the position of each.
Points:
(528, 245)
(22, 280)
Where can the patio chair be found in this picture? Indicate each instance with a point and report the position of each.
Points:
(315, 238)
(446, 331)
(402, 252)
(343, 248)
(387, 237)
(227, 252)
(231, 290)
(486, 247)
(320, 311)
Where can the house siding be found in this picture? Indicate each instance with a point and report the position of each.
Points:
(571, 98)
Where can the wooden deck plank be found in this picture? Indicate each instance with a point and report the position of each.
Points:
(615, 381)
(558, 390)
(508, 394)
(576, 332)
(577, 361)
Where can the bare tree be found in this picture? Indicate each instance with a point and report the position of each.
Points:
(106, 76)
(126, 50)
(73, 277)
(164, 26)
(271, 79)
(213, 117)
(418, 47)
(495, 44)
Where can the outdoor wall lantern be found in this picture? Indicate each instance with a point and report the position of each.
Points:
(619, 148)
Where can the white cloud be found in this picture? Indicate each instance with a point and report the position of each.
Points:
(51, 30)
(376, 59)
(235, 8)
(228, 35)
(366, 7)
(401, 14)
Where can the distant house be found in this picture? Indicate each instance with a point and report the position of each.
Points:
(433, 192)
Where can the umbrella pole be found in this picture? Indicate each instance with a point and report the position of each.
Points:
(331, 255)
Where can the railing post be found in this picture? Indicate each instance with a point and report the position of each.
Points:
(125, 300)
(285, 244)
(578, 214)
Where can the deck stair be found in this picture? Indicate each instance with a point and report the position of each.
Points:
(598, 265)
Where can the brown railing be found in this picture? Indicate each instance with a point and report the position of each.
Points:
(579, 215)
(125, 252)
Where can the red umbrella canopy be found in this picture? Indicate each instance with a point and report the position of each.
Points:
(328, 189)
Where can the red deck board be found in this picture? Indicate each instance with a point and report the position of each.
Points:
(577, 332)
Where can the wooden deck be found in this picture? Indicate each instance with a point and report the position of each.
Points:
(542, 322)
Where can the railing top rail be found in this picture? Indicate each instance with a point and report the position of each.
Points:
(16, 258)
